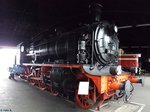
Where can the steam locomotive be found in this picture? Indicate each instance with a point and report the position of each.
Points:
(60, 61)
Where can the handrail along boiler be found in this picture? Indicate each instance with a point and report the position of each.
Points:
(58, 62)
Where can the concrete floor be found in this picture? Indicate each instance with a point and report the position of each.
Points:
(142, 94)
(19, 96)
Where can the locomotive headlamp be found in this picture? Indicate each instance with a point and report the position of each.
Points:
(116, 29)
(115, 70)
(118, 70)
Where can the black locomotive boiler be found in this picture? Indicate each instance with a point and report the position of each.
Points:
(87, 45)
